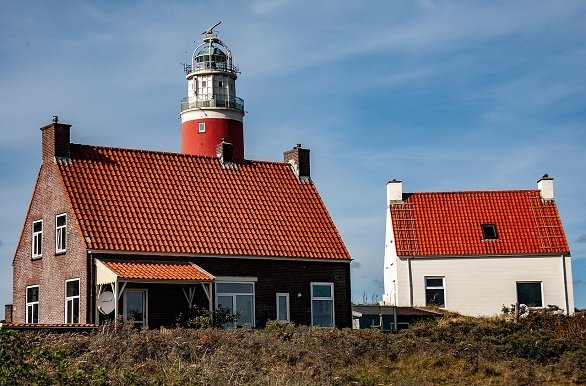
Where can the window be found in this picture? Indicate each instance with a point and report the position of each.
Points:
(32, 304)
(283, 307)
(37, 249)
(238, 297)
(529, 293)
(201, 128)
(322, 304)
(220, 84)
(489, 232)
(136, 306)
(60, 233)
(72, 301)
(434, 291)
(203, 83)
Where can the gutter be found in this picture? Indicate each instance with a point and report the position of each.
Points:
(565, 285)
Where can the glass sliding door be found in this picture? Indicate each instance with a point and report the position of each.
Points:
(239, 298)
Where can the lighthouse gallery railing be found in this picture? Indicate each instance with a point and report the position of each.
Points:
(215, 101)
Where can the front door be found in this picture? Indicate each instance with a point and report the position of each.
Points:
(135, 306)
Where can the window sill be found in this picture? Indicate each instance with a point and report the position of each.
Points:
(36, 257)
(59, 253)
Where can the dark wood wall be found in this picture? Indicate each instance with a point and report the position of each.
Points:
(289, 276)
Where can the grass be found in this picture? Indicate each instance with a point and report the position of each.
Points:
(541, 349)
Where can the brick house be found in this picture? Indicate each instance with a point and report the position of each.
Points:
(145, 234)
(473, 252)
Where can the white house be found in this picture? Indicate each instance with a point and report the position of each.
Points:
(473, 252)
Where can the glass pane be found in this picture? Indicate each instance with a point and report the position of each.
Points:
(245, 307)
(35, 313)
(323, 313)
(37, 244)
(434, 296)
(61, 220)
(529, 294)
(76, 310)
(437, 282)
(225, 302)
(38, 226)
(322, 291)
(32, 294)
(134, 306)
(281, 307)
(234, 288)
(69, 311)
(72, 288)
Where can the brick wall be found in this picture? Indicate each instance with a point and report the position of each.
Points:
(51, 270)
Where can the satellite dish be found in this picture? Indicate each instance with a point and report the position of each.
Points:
(105, 302)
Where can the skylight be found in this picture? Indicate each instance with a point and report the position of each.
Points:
(489, 232)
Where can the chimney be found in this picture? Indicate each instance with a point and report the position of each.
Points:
(394, 191)
(55, 141)
(8, 313)
(298, 158)
(545, 186)
(225, 152)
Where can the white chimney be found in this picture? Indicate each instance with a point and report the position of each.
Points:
(545, 186)
(394, 191)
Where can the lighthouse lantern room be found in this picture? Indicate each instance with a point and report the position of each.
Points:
(211, 113)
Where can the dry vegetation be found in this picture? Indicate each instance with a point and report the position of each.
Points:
(452, 350)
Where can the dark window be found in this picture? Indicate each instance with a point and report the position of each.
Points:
(32, 304)
(529, 294)
(434, 291)
(72, 301)
(489, 232)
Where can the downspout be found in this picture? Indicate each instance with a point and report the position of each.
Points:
(410, 282)
(565, 285)
(90, 303)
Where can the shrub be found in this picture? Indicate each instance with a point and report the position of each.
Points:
(195, 317)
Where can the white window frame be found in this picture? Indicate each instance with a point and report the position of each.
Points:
(287, 318)
(531, 282)
(33, 304)
(443, 287)
(233, 294)
(72, 298)
(324, 298)
(145, 319)
(201, 127)
(63, 229)
(37, 236)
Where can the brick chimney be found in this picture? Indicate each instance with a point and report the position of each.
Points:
(8, 313)
(545, 186)
(394, 191)
(225, 152)
(55, 141)
(298, 158)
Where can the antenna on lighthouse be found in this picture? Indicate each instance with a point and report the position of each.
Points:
(210, 31)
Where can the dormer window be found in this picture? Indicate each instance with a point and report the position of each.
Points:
(489, 232)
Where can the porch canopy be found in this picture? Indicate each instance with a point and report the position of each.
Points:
(119, 273)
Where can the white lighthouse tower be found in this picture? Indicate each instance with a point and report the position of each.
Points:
(211, 112)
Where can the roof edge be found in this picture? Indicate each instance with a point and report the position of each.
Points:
(171, 254)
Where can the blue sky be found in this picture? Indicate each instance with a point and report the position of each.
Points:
(450, 95)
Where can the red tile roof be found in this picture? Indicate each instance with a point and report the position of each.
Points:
(158, 271)
(450, 224)
(147, 201)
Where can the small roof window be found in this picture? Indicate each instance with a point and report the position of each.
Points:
(489, 232)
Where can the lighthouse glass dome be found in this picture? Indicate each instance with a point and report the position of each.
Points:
(212, 56)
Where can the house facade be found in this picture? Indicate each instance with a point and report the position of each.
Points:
(477, 251)
(144, 235)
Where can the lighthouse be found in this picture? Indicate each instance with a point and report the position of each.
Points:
(211, 113)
